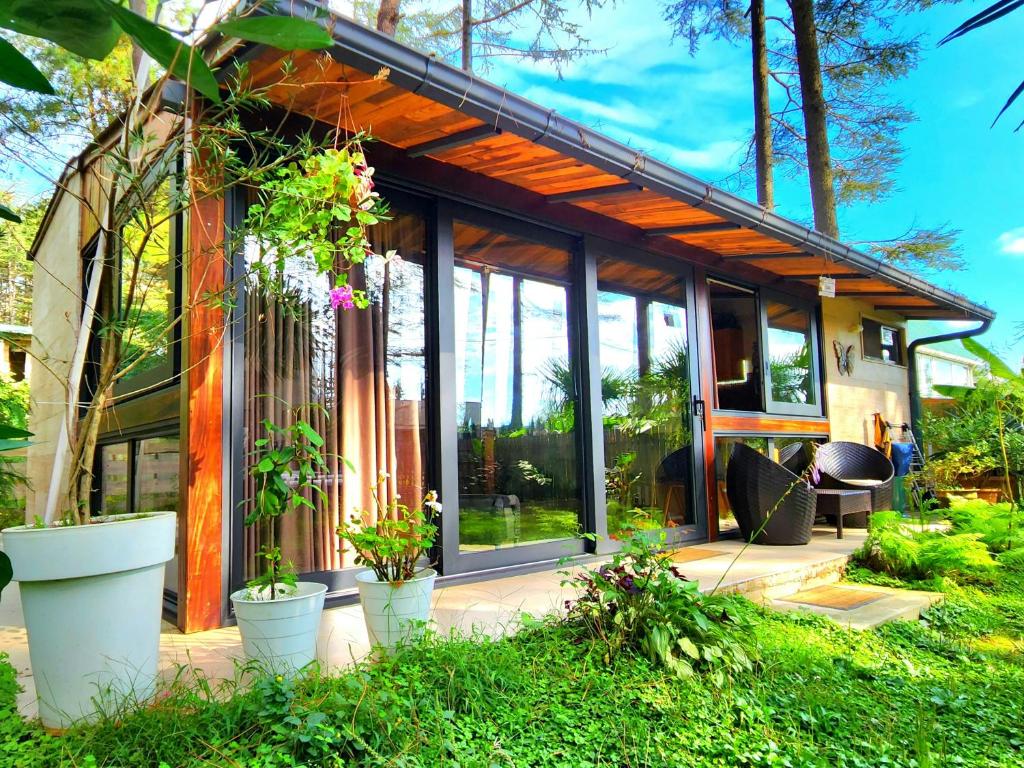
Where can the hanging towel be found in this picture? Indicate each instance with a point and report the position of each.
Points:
(902, 453)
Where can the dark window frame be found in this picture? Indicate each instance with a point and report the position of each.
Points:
(770, 407)
(869, 326)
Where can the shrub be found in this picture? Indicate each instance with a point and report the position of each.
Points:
(893, 548)
(996, 524)
(641, 603)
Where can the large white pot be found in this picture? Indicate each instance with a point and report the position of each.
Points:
(281, 634)
(395, 613)
(92, 597)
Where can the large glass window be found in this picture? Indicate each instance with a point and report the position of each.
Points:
(736, 338)
(113, 479)
(515, 391)
(148, 274)
(790, 354)
(358, 377)
(645, 394)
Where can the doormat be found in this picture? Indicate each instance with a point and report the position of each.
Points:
(839, 598)
(690, 554)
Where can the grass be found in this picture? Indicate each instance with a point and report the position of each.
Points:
(910, 694)
(943, 691)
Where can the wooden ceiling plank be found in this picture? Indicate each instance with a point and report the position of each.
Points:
(591, 192)
(462, 138)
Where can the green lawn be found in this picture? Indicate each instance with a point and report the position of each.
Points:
(946, 694)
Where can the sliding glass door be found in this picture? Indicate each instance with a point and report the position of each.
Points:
(651, 455)
(515, 392)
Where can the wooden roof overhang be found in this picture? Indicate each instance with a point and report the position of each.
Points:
(457, 131)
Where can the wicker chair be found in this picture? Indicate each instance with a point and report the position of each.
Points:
(796, 457)
(754, 485)
(856, 467)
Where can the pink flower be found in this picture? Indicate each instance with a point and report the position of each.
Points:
(342, 297)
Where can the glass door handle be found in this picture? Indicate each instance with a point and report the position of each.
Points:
(700, 412)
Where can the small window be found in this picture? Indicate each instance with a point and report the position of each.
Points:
(882, 342)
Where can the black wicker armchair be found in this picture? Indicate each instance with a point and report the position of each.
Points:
(754, 485)
(856, 467)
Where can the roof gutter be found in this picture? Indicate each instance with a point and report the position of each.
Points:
(913, 381)
(369, 50)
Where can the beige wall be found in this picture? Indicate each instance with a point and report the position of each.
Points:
(56, 281)
(874, 387)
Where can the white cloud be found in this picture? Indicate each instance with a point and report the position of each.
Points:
(587, 110)
(1012, 242)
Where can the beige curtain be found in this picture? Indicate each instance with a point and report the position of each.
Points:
(345, 369)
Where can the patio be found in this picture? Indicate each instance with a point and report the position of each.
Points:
(491, 606)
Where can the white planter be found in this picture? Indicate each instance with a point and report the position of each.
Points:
(395, 613)
(281, 634)
(92, 597)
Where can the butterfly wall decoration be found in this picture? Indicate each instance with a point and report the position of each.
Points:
(844, 357)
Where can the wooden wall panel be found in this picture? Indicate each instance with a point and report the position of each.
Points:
(200, 585)
(767, 424)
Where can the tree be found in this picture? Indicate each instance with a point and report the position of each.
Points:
(459, 32)
(15, 269)
(812, 94)
(990, 14)
(137, 197)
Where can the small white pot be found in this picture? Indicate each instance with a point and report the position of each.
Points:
(92, 597)
(395, 613)
(280, 634)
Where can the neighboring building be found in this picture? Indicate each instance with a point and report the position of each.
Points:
(594, 260)
(942, 363)
(15, 343)
(936, 367)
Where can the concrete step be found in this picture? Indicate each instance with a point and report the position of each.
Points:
(858, 606)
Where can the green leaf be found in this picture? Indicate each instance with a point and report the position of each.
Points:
(174, 55)
(284, 32)
(952, 390)
(266, 464)
(19, 71)
(996, 366)
(7, 431)
(80, 26)
(9, 215)
(6, 571)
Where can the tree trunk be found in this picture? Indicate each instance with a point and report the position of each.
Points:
(763, 159)
(467, 35)
(819, 159)
(387, 16)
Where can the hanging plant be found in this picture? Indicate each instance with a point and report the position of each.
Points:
(319, 208)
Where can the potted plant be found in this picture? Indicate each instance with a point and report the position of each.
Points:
(395, 591)
(279, 616)
(91, 585)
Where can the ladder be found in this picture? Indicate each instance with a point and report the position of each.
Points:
(918, 489)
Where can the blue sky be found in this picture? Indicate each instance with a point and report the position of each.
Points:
(695, 112)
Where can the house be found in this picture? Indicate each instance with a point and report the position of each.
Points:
(942, 363)
(575, 330)
(15, 362)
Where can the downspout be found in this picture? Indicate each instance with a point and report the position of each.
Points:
(915, 392)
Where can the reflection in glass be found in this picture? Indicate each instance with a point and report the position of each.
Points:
(156, 475)
(789, 354)
(149, 335)
(114, 479)
(156, 487)
(735, 329)
(645, 392)
(723, 448)
(358, 377)
(515, 392)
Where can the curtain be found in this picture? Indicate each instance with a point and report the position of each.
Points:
(357, 376)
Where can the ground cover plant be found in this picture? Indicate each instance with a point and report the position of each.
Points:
(945, 691)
